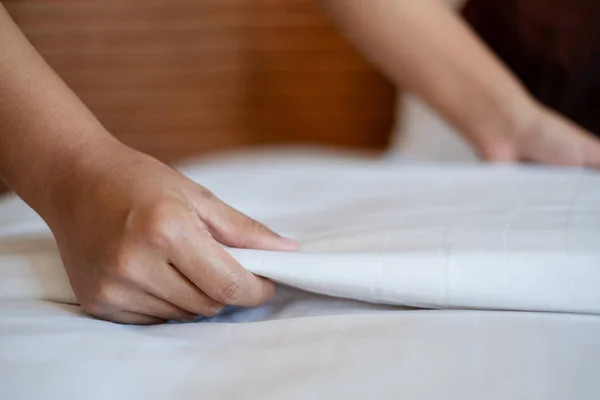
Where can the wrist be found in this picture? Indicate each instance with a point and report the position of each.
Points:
(50, 183)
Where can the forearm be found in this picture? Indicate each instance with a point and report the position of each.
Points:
(425, 47)
(44, 127)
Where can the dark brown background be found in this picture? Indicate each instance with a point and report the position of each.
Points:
(180, 77)
(553, 46)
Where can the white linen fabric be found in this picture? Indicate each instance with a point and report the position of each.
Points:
(511, 238)
(448, 237)
(49, 351)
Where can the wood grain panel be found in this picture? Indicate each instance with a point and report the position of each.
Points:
(180, 77)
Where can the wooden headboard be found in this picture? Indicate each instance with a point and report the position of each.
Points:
(180, 77)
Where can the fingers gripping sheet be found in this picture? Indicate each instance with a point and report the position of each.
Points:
(474, 237)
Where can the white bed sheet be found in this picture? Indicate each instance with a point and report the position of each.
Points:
(50, 351)
(510, 238)
(459, 236)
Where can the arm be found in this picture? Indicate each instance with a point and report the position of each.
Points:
(44, 127)
(139, 241)
(425, 47)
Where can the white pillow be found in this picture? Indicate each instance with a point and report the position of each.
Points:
(421, 135)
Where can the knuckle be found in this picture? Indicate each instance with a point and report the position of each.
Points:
(157, 229)
(255, 226)
(106, 294)
(104, 297)
(230, 291)
(157, 234)
(92, 306)
(205, 193)
(124, 266)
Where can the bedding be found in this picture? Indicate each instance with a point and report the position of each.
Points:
(390, 296)
(435, 237)
(420, 134)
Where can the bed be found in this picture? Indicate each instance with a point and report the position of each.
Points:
(424, 274)
(451, 280)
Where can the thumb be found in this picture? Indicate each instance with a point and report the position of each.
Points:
(232, 228)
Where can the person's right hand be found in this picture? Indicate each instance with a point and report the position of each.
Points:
(140, 242)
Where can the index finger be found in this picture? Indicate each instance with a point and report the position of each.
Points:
(212, 269)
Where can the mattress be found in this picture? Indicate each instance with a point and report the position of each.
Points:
(457, 281)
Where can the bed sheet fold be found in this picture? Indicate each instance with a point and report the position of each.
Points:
(468, 237)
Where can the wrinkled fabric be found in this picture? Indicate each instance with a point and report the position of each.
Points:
(380, 242)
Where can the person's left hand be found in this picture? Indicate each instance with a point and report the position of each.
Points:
(142, 243)
(548, 139)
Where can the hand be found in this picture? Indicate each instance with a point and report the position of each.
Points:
(140, 242)
(548, 139)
